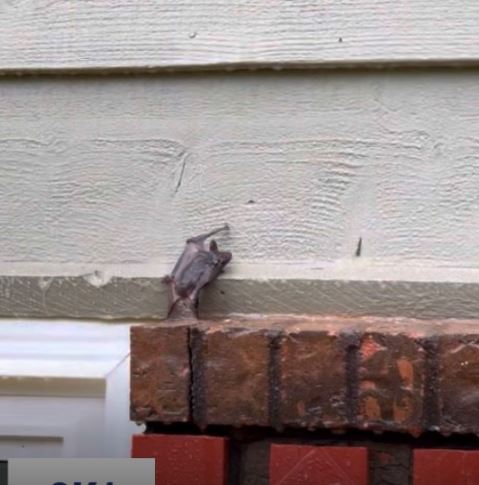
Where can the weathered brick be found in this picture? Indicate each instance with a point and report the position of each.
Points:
(313, 465)
(458, 383)
(313, 381)
(446, 467)
(230, 367)
(389, 464)
(252, 462)
(183, 459)
(160, 373)
(309, 371)
(391, 381)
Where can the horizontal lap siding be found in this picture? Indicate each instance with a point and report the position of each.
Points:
(122, 170)
(127, 34)
(103, 178)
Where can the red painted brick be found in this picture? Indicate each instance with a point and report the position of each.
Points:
(458, 383)
(391, 381)
(446, 467)
(313, 385)
(314, 465)
(160, 373)
(184, 460)
(230, 366)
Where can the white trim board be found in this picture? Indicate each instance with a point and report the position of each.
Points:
(61, 349)
(88, 420)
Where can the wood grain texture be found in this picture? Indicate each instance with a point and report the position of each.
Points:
(127, 34)
(119, 172)
(123, 170)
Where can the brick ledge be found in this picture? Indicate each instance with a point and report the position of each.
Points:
(381, 374)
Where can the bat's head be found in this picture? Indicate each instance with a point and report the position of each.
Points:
(224, 257)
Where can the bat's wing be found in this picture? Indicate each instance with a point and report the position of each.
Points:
(208, 273)
(186, 285)
(196, 267)
(187, 256)
(187, 280)
(193, 246)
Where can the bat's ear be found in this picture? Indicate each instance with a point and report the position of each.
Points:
(213, 246)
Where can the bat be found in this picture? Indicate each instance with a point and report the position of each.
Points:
(198, 265)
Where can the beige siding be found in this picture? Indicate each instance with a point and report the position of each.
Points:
(102, 177)
(131, 34)
(122, 170)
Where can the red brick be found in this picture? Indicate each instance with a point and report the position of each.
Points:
(160, 373)
(301, 371)
(230, 368)
(314, 465)
(184, 460)
(446, 467)
(458, 384)
(312, 368)
(391, 382)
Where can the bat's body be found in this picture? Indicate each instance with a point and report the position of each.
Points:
(197, 266)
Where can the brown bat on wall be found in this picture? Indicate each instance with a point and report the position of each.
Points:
(198, 266)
